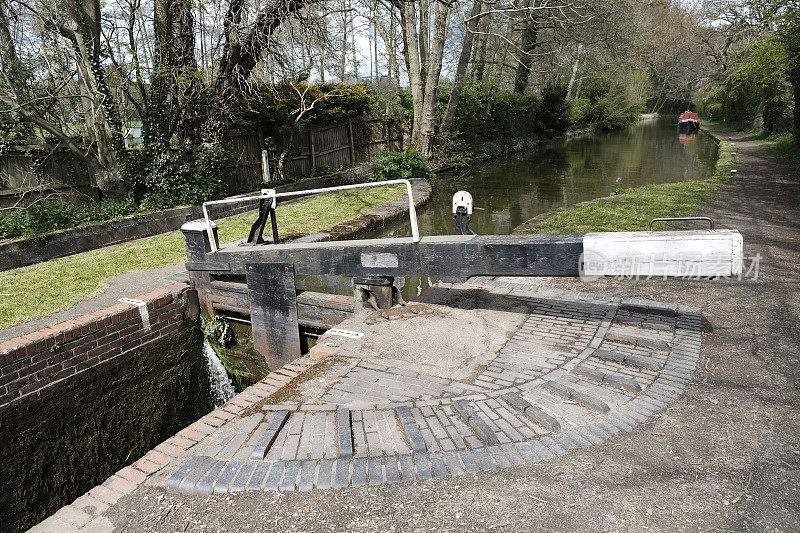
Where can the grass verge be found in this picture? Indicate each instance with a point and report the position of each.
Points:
(632, 209)
(44, 288)
(782, 146)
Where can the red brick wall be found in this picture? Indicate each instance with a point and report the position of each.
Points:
(33, 362)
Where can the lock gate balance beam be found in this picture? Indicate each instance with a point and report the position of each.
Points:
(698, 253)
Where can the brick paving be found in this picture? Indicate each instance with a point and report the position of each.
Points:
(550, 389)
(581, 368)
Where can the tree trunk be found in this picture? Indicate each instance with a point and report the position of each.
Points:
(155, 123)
(187, 89)
(574, 70)
(322, 63)
(8, 51)
(578, 89)
(794, 77)
(353, 41)
(176, 87)
(396, 62)
(529, 38)
(281, 166)
(343, 62)
(388, 38)
(758, 119)
(375, 40)
(101, 115)
(499, 56)
(479, 61)
(428, 123)
(408, 19)
(460, 76)
(424, 34)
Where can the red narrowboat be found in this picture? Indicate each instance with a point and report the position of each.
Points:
(689, 120)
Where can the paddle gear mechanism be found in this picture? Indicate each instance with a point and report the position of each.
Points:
(462, 212)
(266, 209)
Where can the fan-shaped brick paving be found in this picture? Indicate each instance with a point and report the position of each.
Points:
(575, 369)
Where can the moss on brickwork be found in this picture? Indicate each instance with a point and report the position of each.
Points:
(79, 432)
(243, 363)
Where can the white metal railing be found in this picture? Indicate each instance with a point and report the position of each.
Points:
(272, 193)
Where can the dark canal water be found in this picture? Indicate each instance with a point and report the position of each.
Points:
(516, 189)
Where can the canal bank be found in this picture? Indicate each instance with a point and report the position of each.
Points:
(724, 456)
(632, 209)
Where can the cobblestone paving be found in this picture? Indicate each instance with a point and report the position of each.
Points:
(582, 368)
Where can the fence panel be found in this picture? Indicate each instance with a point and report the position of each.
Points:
(374, 135)
(60, 175)
(244, 172)
(332, 146)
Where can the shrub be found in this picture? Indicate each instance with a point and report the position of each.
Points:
(388, 103)
(271, 105)
(581, 111)
(399, 165)
(782, 145)
(160, 179)
(468, 122)
(617, 103)
(554, 111)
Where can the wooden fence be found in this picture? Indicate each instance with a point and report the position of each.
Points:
(334, 146)
(57, 173)
(243, 173)
(340, 145)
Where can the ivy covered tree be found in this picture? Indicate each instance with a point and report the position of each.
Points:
(32, 86)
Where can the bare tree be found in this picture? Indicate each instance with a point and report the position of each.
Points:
(305, 106)
(76, 35)
(460, 76)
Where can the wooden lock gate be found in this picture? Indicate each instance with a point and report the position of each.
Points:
(259, 279)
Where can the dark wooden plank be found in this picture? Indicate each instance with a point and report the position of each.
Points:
(273, 312)
(314, 309)
(382, 257)
(444, 256)
(335, 302)
(211, 266)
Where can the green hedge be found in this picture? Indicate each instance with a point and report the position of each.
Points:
(510, 116)
(399, 165)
